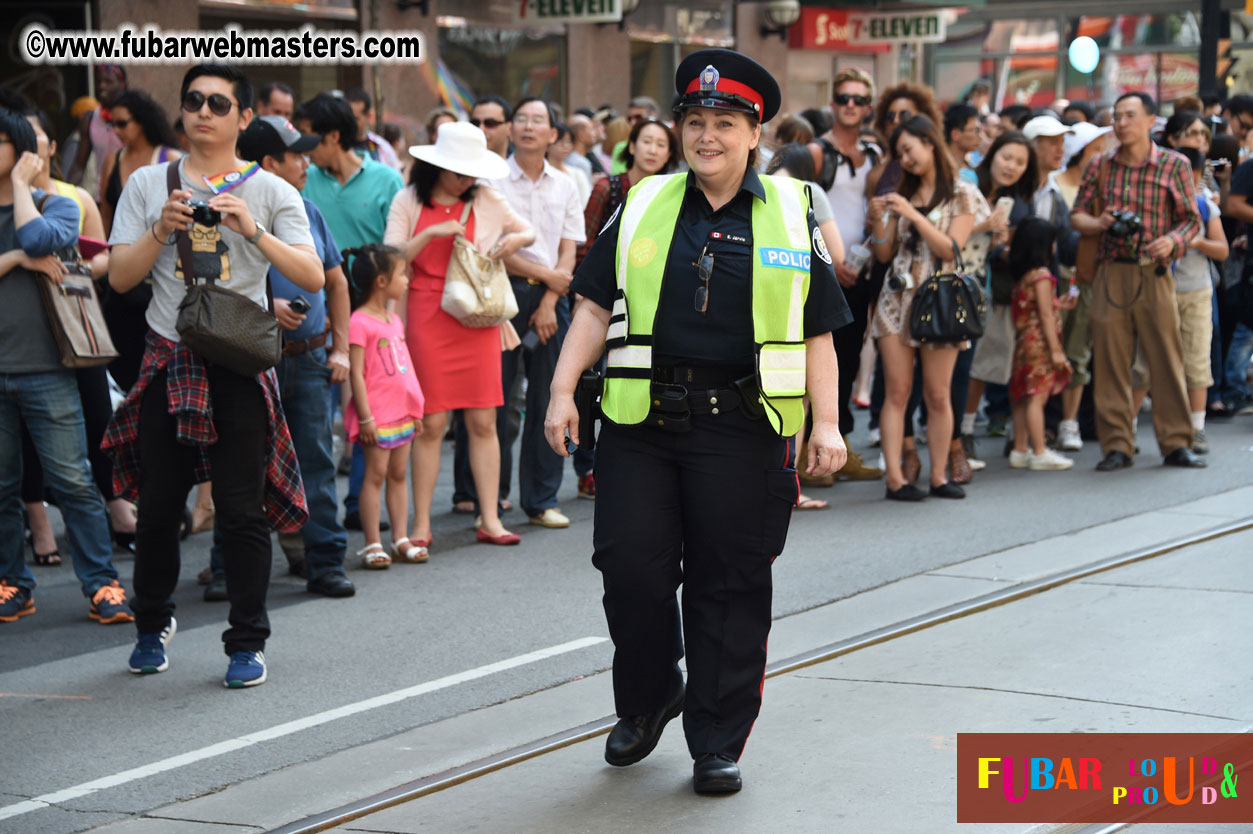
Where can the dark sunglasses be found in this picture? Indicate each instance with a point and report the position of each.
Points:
(491, 124)
(704, 270)
(219, 105)
(120, 122)
(899, 115)
(844, 98)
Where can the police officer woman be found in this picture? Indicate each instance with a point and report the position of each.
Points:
(716, 298)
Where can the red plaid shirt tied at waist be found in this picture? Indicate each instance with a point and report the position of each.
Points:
(187, 387)
(1159, 190)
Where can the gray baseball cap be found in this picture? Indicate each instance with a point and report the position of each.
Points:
(273, 135)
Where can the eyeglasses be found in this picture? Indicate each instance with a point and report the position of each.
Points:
(844, 98)
(1196, 133)
(219, 105)
(490, 124)
(537, 121)
(704, 270)
(121, 123)
(900, 115)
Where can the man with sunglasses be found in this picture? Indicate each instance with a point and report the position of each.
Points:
(492, 115)
(189, 419)
(354, 194)
(843, 159)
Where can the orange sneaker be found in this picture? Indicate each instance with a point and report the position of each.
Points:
(15, 602)
(108, 605)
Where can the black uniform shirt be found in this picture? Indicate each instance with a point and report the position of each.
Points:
(724, 334)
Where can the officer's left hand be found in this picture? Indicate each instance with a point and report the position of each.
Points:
(827, 452)
(562, 414)
(1160, 249)
(235, 214)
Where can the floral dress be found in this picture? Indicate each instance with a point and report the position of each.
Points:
(1034, 372)
(913, 257)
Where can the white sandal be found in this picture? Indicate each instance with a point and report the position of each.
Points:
(374, 557)
(406, 551)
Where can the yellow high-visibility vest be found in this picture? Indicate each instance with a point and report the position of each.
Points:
(780, 285)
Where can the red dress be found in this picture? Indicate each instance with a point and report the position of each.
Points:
(1034, 372)
(458, 367)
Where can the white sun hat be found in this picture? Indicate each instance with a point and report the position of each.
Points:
(461, 147)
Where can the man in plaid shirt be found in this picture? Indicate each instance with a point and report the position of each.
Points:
(1133, 294)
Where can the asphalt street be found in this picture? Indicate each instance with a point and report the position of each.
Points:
(73, 714)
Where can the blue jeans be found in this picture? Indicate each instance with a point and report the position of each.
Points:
(49, 405)
(1238, 354)
(303, 381)
(356, 475)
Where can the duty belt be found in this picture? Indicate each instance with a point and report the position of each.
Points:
(704, 391)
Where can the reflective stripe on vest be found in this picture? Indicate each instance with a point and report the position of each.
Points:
(780, 284)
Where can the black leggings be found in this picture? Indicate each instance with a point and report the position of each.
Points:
(167, 472)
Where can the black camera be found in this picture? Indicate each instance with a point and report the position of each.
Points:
(1125, 225)
(299, 304)
(202, 214)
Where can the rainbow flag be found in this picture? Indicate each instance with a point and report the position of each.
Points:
(452, 90)
(227, 180)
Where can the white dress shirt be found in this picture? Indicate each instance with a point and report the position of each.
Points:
(550, 204)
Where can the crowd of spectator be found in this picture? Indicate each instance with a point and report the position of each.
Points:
(1110, 241)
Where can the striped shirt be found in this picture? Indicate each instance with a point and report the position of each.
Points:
(1159, 190)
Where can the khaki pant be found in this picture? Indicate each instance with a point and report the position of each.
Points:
(1130, 301)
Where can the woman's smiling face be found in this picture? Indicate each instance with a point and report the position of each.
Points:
(716, 142)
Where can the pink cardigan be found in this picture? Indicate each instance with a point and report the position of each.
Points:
(493, 217)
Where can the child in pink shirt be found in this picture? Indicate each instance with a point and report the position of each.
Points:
(385, 413)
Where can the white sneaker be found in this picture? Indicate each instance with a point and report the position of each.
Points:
(1019, 460)
(1050, 460)
(976, 465)
(1068, 438)
(875, 438)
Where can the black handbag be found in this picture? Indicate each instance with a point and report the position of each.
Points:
(948, 308)
(221, 325)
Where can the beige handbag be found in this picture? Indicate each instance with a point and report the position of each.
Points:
(476, 289)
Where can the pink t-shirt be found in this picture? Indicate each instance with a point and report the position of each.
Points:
(390, 383)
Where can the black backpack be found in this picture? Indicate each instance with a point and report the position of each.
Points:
(833, 158)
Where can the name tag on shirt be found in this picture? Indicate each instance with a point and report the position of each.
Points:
(785, 258)
(733, 238)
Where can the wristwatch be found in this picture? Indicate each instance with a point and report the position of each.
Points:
(260, 231)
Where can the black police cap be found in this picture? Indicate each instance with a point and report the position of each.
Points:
(726, 80)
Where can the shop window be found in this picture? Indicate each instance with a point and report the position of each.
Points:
(1115, 32)
(1165, 76)
(704, 22)
(506, 62)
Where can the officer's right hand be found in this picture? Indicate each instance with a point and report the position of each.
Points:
(562, 415)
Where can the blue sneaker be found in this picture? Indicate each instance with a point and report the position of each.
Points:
(149, 654)
(246, 669)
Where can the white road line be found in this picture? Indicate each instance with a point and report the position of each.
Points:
(230, 745)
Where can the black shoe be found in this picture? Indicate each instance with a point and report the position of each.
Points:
(949, 490)
(331, 585)
(352, 521)
(215, 591)
(1114, 460)
(908, 492)
(715, 773)
(1184, 457)
(298, 568)
(633, 738)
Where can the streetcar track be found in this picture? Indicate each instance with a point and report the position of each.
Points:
(433, 783)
